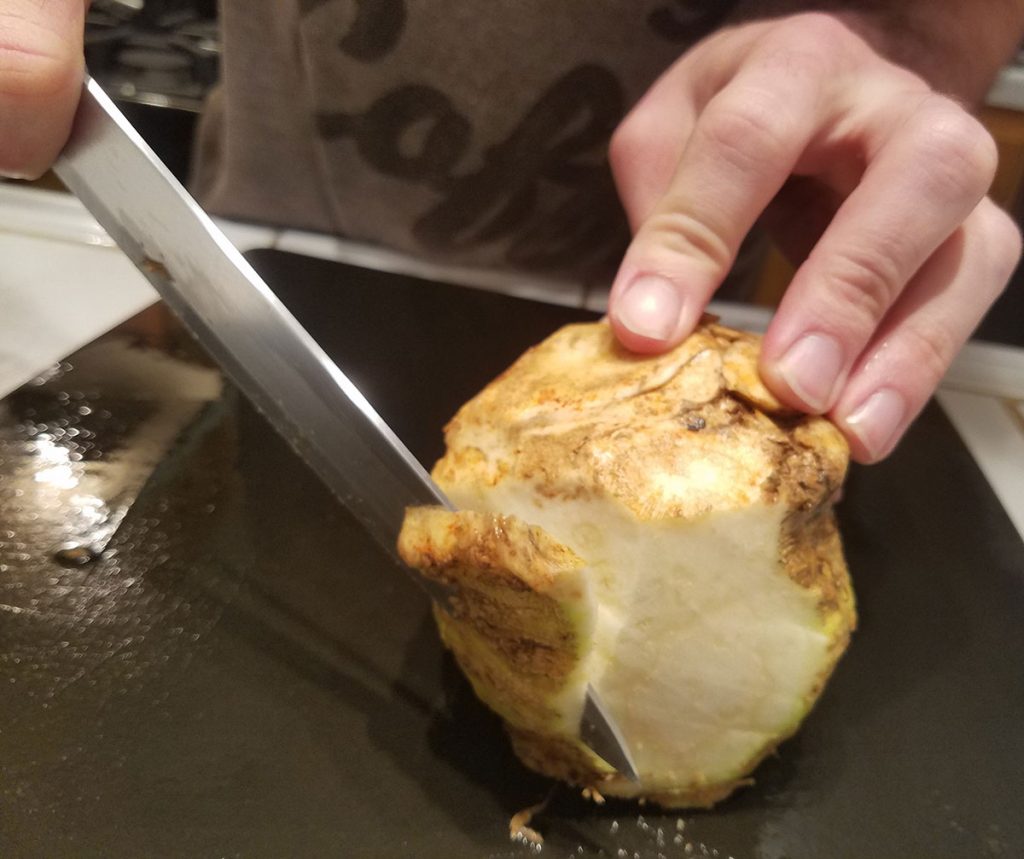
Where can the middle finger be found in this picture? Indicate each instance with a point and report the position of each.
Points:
(924, 180)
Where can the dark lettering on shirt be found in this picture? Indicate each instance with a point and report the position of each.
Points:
(557, 153)
(688, 21)
(375, 30)
(413, 132)
(559, 150)
(543, 198)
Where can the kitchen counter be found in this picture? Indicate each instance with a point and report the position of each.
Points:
(193, 631)
(63, 283)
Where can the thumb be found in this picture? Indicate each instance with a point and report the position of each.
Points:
(40, 80)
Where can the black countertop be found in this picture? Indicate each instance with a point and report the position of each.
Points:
(244, 674)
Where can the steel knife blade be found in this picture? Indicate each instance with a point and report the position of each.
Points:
(258, 342)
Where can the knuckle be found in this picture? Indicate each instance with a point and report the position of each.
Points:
(747, 132)
(38, 57)
(960, 154)
(864, 285)
(822, 28)
(30, 77)
(1003, 229)
(826, 34)
(907, 81)
(676, 231)
(930, 352)
(798, 69)
(626, 144)
(1007, 231)
(1004, 236)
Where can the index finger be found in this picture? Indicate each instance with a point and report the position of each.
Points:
(744, 146)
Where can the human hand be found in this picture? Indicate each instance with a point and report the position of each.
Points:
(902, 252)
(41, 71)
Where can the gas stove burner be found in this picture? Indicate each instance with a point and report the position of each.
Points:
(156, 52)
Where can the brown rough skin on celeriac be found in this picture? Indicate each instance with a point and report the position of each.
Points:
(660, 527)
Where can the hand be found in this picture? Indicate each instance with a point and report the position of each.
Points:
(901, 251)
(41, 70)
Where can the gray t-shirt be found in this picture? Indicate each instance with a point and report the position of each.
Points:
(474, 133)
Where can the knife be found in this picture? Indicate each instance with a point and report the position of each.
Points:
(260, 345)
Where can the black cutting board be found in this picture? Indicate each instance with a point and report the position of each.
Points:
(250, 678)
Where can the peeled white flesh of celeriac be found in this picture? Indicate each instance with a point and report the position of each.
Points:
(660, 528)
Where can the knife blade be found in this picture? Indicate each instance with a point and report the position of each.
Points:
(259, 343)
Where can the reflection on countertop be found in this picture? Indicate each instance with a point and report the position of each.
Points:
(62, 284)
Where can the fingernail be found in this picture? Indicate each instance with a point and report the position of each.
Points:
(651, 307)
(811, 368)
(876, 421)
